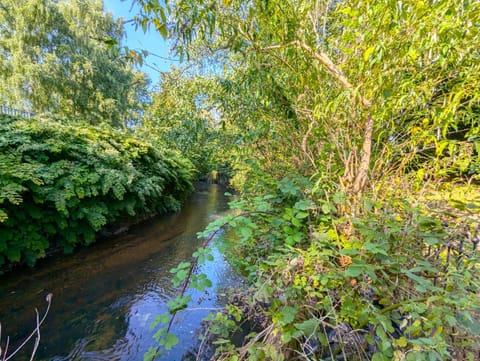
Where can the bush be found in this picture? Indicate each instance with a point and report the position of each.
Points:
(61, 184)
(393, 283)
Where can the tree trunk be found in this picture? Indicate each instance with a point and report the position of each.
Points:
(361, 175)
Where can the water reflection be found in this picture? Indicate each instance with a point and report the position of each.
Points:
(106, 296)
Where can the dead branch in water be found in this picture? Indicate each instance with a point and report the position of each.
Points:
(4, 353)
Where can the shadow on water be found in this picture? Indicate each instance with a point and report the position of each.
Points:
(105, 296)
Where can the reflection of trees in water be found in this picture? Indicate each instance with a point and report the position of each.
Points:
(95, 289)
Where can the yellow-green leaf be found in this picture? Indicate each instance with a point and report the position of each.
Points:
(367, 53)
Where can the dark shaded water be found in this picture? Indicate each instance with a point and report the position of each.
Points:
(105, 296)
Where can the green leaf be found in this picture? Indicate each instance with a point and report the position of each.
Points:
(387, 93)
(200, 282)
(402, 341)
(151, 354)
(375, 248)
(13, 254)
(294, 238)
(159, 319)
(179, 277)
(423, 284)
(163, 17)
(295, 222)
(181, 266)
(379, 357)
(354, 270)
(304, 205)
(287, 315)
(301, 215)
(162, 28)
(178, 303)
(308, 327)
(3, 215)
(246, 232)
(326, 208)
(110, 41)
(169, 341)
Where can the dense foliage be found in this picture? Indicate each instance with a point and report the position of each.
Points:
(352, 129)
(403, 286)
(183, 115)
(356, 147)
(61, 184)
(66, 58)
(308, 79)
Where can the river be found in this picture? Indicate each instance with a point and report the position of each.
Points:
(105, 296)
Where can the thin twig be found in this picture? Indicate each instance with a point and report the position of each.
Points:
(245, 349)
(205, 244)
(194, 260)
(200, 348)
(37, 339)
(35, 331)
(6, 347)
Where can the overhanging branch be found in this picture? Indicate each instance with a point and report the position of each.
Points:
(327, 63)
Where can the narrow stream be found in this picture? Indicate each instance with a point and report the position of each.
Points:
(106, 296)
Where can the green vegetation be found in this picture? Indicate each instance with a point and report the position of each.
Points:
(351, 129)
(65, 58)
(61, 184)
(183, 115)
(356, 149)
(79, 165)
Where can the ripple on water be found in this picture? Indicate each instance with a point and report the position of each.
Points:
(106, 296)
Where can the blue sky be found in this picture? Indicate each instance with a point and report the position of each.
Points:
(138, 40)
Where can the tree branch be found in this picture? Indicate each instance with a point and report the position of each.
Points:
(327, 63)
(361, 171)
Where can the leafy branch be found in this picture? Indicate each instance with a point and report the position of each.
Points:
(184, 272)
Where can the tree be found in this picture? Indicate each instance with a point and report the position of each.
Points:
(184, 115)
(65, 57)
(374, 101)
(61, 184)
(365, 94)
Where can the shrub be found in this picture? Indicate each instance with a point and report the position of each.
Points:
(61, 184)
(393, 283)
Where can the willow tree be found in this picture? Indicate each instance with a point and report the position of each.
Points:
(57, 57)
(361, 89)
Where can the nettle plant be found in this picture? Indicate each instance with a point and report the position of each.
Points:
(394, 283)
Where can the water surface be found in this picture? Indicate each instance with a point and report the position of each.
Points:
(106, 296)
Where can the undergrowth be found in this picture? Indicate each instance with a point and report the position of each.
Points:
(396, 282)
